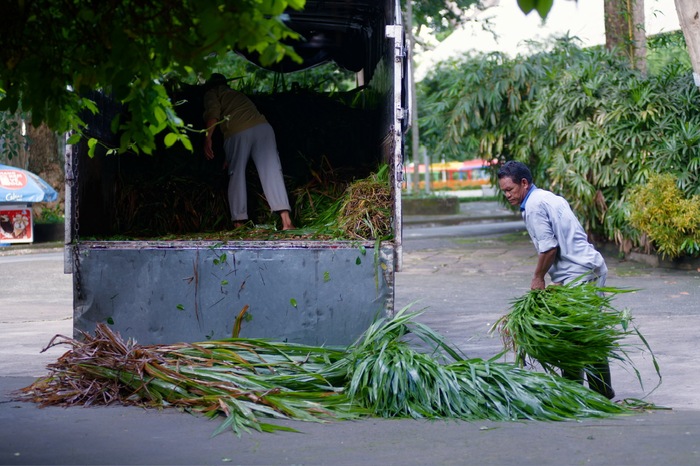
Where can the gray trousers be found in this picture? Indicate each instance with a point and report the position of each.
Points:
(259, 144)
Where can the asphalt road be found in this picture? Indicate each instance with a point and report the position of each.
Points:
(463, 281)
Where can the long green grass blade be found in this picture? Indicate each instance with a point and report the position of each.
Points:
(398, 368)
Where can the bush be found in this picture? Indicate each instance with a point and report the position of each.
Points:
(586, 124)
(671, 221)
(51, 215)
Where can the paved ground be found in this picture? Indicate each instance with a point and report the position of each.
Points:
(464, 277)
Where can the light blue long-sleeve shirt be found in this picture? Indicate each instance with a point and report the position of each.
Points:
(551, 223)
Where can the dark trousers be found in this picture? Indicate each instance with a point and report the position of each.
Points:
(598, 376)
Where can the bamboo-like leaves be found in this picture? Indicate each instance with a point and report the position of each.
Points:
(588, 126)
(398, 368)
(570, 327)
(391, 379)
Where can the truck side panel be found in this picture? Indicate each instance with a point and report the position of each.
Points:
(313, 295)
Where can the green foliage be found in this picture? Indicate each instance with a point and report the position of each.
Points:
(661, 211)
(667, 48)
(470, 105)
(251, 380)
(586, 124)
(570, 328)
(541, 6)
(53, 53)
(53, 214)
(440, 16)
(564, 327)
(12, 138)
(357, 209)
(600, 127)
(391, 377)
(326, 78)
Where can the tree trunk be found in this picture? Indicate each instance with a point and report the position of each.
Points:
(624, 30)
(689, 17)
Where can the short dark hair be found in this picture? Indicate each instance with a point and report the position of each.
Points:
(216, 79)
(516, 171)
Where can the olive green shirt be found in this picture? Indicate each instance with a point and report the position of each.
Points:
(223, 101)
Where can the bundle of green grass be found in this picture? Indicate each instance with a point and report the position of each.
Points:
(398, 368)
(569, 328)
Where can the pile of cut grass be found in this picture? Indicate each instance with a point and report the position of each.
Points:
(390, 378)
(365, 212)
(318, 201)
(330, 206)
(243, 379)
(250, 380)
(359, 210)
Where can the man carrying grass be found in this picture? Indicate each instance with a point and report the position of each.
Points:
(562, 245)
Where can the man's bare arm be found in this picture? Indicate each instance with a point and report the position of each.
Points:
(544, 262)
(208, 149)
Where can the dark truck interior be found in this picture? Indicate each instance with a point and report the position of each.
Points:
(324, 141)
(347, 32)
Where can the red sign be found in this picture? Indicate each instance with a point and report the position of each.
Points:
(12, 179)
(16, 225)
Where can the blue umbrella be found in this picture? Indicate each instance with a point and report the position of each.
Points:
(21, 186)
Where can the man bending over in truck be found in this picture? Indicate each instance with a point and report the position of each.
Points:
(246, 134)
